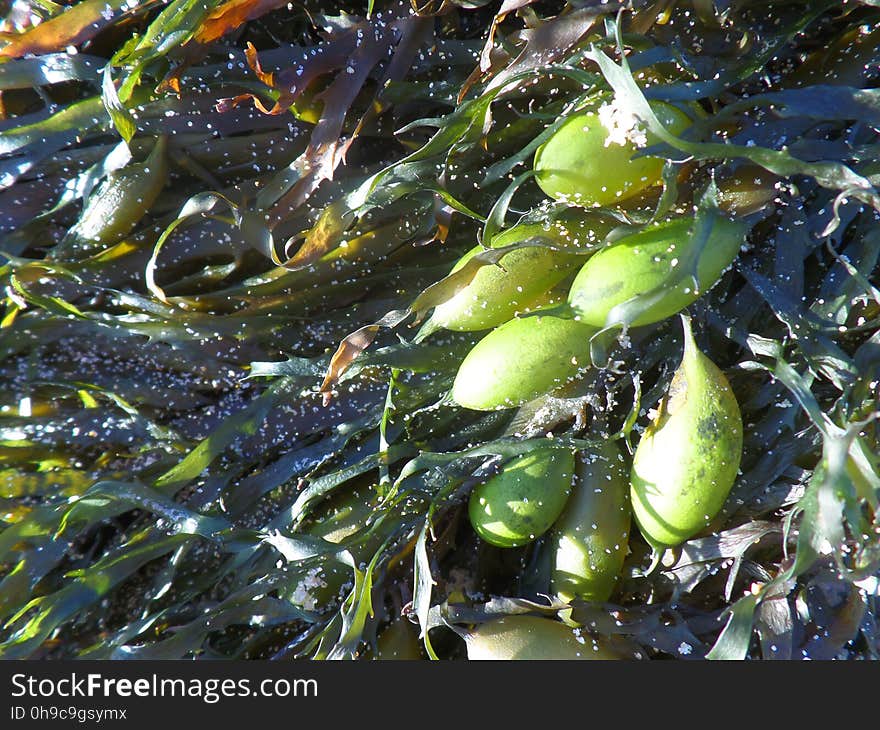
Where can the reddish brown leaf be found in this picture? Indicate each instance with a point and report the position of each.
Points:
(323, 236)
(349, 56)
(230, 15)
(497, 58)
(506, 7)
(225, 105)
(294, 80)
(373, 42)
(353, 345)
(253, 60)
(184, 58)
(491, 56)
(171, 82)
(551, 40)
(453, 283)
(75, 25)
(431, 8)
(443, 219)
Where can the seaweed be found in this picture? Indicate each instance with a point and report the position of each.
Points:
(186, 406)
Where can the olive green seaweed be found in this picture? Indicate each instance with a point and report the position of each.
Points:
(523, 279)
(521, 360)
(587, 162)
(531, 638)
(688, 457)
(520, 503)
(589, 541)
(652, 264)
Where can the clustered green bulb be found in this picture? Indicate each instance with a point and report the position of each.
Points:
(522, 359)
(524, 278)
(686, 462)
(522, 501)
(592, 159)
(653, 262)
(687, 459)
(116, 205)
(526, 637)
